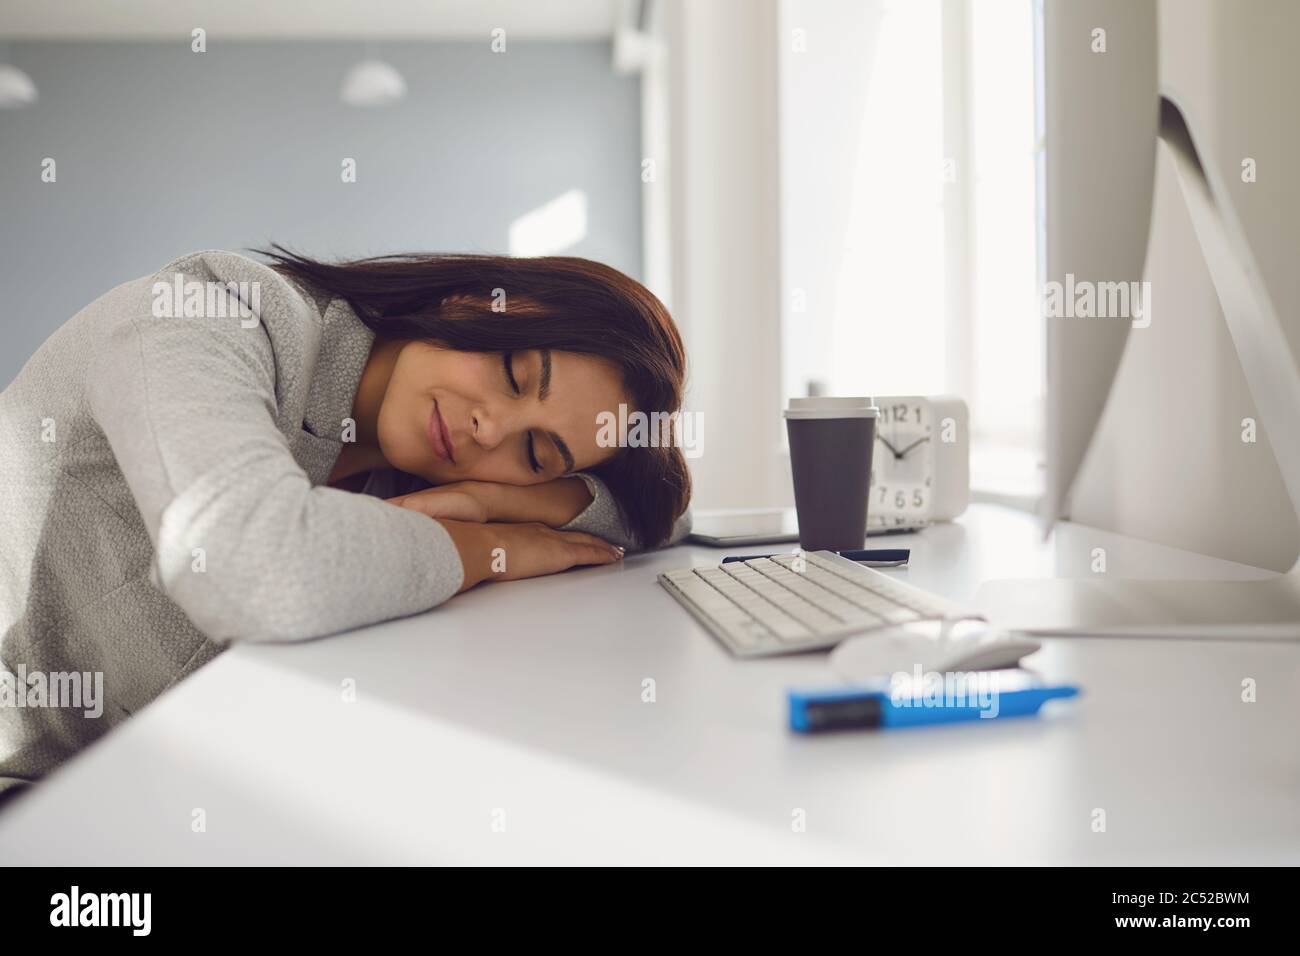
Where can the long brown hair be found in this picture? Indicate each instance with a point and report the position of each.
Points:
(547, 302)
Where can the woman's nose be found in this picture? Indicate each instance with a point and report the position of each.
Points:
(488, 426)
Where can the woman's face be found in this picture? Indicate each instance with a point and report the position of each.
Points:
(521, 419)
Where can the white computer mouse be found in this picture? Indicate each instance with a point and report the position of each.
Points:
(930, 645)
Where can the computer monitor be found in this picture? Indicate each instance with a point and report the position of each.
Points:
(1097, 113)
(1101, 114)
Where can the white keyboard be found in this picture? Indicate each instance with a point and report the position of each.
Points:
(790, 603)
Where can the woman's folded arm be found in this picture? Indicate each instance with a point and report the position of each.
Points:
(244, 543)
(580, 502)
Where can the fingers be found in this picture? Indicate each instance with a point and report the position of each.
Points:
(589, 549)
(455, 505)
(458, 506)
(507, 551)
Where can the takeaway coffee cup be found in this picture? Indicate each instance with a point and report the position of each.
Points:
(831, 440)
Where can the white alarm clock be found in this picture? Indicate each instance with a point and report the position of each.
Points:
(920, 466)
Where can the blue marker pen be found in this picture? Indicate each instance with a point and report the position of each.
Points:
(984, 695)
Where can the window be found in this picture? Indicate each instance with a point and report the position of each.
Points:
(907, 212)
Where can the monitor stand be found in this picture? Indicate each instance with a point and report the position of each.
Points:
(1267, 609)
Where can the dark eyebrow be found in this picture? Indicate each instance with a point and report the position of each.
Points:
(563, 449)
(544, 388)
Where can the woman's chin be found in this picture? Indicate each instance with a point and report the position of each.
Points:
(405, 456)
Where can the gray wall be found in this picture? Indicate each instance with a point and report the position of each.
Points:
(161, 151)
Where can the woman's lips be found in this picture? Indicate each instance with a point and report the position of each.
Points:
(440, 435)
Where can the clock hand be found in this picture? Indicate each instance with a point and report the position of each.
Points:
(913, 445)
(888, 445)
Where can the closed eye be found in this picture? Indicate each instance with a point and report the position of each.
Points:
(532, 457)
(508, 365)
(507, 362)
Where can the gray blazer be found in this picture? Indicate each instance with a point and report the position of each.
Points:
(163, 494)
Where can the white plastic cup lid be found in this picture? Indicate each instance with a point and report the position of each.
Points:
(828, 406)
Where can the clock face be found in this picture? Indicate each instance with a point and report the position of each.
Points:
(902, 463)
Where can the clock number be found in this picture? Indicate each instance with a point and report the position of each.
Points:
(917, 498)
(900, 500)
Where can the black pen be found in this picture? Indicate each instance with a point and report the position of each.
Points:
(872, 558)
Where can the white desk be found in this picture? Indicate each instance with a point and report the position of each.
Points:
(527, 698)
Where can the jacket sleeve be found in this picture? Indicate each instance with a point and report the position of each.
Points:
(243, 542)
(602, 519)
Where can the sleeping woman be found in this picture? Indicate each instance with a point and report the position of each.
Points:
(230, 451)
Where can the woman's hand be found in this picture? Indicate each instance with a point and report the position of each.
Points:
(443, 502)
(554, 503)
(506, 552)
